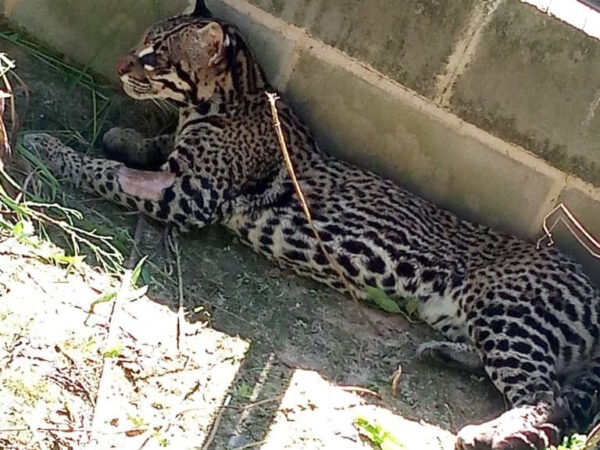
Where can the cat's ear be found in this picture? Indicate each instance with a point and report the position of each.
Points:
(201, 47)
(200, 10)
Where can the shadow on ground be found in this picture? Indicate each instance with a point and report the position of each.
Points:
(292, 324)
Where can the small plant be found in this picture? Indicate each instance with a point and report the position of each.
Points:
(23, 230)
(113, 351)
(104, 298)
(162, 441)
(137, 421)
(377, 435)
(138, 271)
(31, 393)
(573, 442)
(408, 307)
(89, 345)
(243, 390)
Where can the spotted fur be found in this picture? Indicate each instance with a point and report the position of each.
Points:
(529, 318)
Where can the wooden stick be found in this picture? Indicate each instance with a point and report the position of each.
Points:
(213, 432)
(360, 390)
(305, 208)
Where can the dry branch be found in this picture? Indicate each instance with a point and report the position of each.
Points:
(6, 65)
(213, 432)
(306, 208)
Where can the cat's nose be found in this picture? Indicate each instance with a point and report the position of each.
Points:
(124, 64)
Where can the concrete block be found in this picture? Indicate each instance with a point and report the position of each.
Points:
(534, 82)
(410, 41)
(368, 126)
(273, 51)
(94, 33)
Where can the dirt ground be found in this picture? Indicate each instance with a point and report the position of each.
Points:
(266, 360)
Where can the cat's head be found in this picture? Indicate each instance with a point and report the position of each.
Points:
(184, 58)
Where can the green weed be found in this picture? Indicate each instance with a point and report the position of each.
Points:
(113, 351)
(377, 435)
(405, 307)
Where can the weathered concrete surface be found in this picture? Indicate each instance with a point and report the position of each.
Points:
(409, 41)
(534, 81)
(364, 124)
(92, 33)
(271, 48)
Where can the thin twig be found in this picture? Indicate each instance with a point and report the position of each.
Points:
(75, 430)
(251, 445)
(306, 209)
(6, 65)
(361, 390)
(174, 247)
(395, 380)
(576, 228)
(593, 438)
(215, 426)
(453, 428)
(259, 403)
(111, 339)
(166, 424)
(18, 119)
(137, 237)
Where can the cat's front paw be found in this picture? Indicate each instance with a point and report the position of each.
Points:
(48, 148)
(42, 144)
(62, 161)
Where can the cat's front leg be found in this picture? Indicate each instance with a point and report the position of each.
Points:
(182, 200)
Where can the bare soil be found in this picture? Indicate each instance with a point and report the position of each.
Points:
(265, 359)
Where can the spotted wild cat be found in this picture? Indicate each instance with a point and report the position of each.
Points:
(529, 318)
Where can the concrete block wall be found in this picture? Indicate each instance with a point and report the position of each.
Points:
(487, 107)
(89, 32)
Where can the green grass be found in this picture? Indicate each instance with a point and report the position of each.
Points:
(31, 201)
(573, 442)
(75, 77)
(74, 74)
(377, 435)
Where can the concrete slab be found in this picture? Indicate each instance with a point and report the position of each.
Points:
(533, 82)
(367, 126)
(393, 37)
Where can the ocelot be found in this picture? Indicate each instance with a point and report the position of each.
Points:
(529, 318)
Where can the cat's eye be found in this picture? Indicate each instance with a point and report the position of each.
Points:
(148, 61)
(147, 58)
